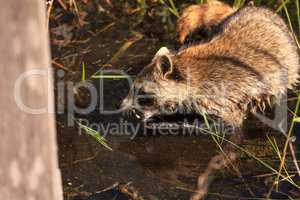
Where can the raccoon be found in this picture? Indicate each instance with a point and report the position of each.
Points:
(252, 58)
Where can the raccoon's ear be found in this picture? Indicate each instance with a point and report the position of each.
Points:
(162, 51)
(164, 64)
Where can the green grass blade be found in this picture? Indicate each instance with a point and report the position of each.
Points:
(96, 135)
(297, 120)
(172, 9)
(200, 1)
(83, 75)
(239, 3)
(282, 5)
(110, 76)
(298, 14)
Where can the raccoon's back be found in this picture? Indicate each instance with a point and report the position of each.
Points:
(261, 41)
(264, 40)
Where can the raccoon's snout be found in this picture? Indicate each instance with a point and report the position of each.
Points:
(137, 114)
(128, 108)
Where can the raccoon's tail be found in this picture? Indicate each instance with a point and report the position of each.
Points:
(204, 16)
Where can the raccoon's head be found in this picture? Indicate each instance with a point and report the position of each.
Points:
(158, 92)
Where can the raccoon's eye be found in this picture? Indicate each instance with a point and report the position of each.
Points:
(145, 99)
(176, 75)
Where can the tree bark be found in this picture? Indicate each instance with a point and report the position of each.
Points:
(28, 154)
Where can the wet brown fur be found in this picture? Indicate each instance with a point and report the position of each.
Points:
(204, 16)
(254, 56)
(254, 52)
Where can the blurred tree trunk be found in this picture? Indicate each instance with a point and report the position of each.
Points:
(28, 154)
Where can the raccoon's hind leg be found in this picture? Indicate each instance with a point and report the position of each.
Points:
(202, 16)
(218, 162)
